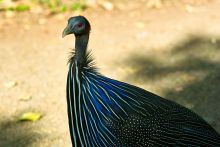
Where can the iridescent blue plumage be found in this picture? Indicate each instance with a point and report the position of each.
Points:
(104, 112)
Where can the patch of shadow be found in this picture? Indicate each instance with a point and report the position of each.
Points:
(17, 134)
(197, 57)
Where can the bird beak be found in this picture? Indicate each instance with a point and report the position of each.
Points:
(66, 31)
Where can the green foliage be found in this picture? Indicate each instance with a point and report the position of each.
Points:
(63, 8)
(80, 5)
(59, 6)
(55, 6)
(18, 8)
(21, 8)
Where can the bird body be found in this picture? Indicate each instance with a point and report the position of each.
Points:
(106, 112)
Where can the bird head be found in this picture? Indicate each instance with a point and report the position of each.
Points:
(77, 25)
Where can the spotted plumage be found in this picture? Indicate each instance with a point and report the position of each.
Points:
(104, 112)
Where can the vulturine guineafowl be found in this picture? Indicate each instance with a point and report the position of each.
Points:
(104, 112)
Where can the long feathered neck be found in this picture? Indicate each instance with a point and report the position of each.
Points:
(81, 43)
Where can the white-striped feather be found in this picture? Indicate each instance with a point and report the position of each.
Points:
(70, 105)
(79, 93)
(96, 132)
(86, 120)
(99, 118)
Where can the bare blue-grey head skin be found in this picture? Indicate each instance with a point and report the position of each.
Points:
(77, 25)
(104, 112)
(80, 27)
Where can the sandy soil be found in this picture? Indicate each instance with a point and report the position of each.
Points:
(173, 51)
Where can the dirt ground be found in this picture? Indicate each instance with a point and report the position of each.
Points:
(173, 51)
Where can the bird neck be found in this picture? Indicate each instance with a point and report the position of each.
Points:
(81, 43)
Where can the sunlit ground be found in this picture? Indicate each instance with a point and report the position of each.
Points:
(173, 51)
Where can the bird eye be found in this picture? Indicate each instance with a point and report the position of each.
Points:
(79, 25)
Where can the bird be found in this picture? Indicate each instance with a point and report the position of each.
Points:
(104, 112)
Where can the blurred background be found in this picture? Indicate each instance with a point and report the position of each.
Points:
(168, 47)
